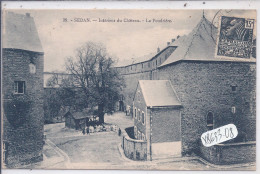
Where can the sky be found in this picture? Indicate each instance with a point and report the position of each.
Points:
(123, 40)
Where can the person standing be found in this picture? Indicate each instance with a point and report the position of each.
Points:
(119, 132)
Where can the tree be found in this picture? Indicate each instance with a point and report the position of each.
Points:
(62, 95)
(92, 71)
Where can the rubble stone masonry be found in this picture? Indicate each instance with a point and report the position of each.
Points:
(22, 127)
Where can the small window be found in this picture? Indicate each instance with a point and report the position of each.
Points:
(135, 113)
(19, 87)
(143, 117)
(149, 65)
(210, 121)
(139, 115)
(233, 109)
(142, 66)
(32, 68)
(156, 63)
(233, 88)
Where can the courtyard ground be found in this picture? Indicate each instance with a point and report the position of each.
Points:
(70, 149)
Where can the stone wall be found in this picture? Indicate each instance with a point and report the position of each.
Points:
(134, 149)
(142, 71)
(131, 81)
(204, 87)
(233, 153)
(166, 124)
(148, 65)
(139, 104)
(23, 129)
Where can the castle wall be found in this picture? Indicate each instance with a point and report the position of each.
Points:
(23, 127)
(204, 87)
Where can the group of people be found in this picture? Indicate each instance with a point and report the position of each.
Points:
(100, 128)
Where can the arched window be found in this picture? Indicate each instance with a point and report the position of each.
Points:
(135, 113)
(210, 121)
(143, 117)
(139, 115)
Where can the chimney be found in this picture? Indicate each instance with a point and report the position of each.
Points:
(173, 40)
(168, 43)
(28, 15)
(158, 50)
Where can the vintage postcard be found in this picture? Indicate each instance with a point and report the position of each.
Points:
(161, 89)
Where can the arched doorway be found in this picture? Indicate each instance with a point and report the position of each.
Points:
(121, 106)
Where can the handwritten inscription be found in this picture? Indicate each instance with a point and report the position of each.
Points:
(219, 135)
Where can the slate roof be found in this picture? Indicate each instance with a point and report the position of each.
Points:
(83, 114)
(19, 32)
(136, 60)
(158, 93)
(199, 45)
(80, 115)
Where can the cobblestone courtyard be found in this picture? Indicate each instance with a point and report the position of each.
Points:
(70, 149)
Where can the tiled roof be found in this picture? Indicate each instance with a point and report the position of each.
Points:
(199, 45)
(136, 60)
(19, 32)
(82, 114)
(159, 93)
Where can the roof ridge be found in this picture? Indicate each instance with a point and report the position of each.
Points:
(193, 36)
(203, 18)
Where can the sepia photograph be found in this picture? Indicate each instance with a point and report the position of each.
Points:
(137, 89)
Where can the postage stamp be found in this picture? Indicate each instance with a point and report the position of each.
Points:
(235, 37)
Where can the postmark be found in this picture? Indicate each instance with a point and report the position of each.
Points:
(235, 37)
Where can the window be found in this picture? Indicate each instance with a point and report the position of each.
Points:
(19, 87)
(139, 115)
(143, 117)
(142, 66)
(233, 88)
(149, 65)
(210, 121)
(156, 62)
(32, 68)
(135, 113)
(233, 109)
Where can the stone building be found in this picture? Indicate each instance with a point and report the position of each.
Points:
(212, 91)
(22, 62)
(157, 110)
